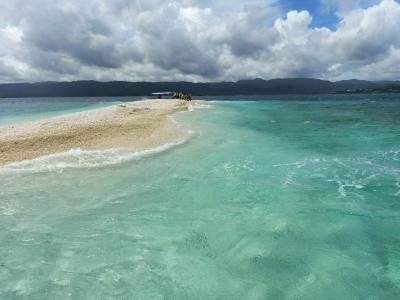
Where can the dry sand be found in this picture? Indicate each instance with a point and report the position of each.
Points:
(138, 125)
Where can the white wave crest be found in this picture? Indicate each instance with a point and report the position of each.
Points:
(78, 158)
(199, 106)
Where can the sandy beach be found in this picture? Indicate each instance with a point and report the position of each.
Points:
(137, 125)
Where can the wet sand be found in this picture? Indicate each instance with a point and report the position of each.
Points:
(137, 125)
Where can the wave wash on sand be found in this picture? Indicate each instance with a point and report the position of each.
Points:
(136, 125)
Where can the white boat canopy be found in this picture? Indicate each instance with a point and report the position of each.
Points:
(163, 93)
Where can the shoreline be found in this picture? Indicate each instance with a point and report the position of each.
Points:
(138, 125)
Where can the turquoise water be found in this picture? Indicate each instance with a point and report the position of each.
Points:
(27, 109)
(296, 199)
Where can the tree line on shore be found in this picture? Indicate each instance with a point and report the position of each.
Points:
(242, 87)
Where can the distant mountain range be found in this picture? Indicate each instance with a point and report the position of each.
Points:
(242, 87)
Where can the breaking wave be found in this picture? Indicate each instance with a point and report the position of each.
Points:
(78, 158)
(199, 106)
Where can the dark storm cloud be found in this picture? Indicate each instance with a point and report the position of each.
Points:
(83, 38)
(178, 53)
(53, 62)
(7, 72)
(170, 47)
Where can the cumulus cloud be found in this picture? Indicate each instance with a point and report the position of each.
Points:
(194, 40)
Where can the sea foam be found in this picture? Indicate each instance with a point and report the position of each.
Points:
(79, 158)
(199, 106)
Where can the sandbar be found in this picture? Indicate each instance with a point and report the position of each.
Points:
(131, 125)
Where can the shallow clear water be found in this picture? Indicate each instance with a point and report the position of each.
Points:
(265, 200)
(27, 109)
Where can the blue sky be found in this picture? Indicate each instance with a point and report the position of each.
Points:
(323, 16)
(325, 13)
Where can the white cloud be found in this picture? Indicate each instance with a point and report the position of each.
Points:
(193, 40)
(295, 28)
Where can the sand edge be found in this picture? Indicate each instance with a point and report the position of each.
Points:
(138, 125)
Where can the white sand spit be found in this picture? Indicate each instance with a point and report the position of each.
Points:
(139, 125)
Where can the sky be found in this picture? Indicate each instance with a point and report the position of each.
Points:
(198, 40)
